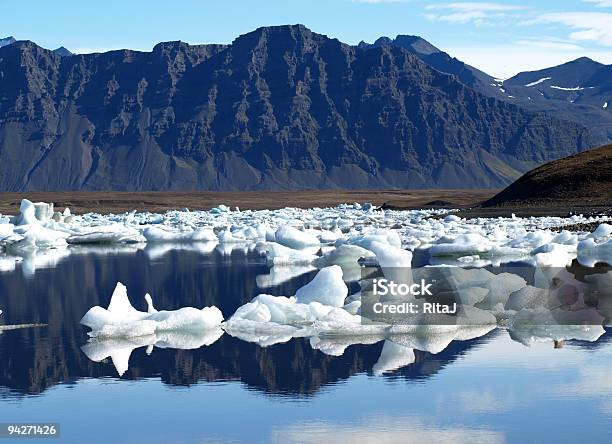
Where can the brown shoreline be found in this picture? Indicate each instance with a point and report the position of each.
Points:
(119, 202)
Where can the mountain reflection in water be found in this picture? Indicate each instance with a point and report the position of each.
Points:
(58, 290)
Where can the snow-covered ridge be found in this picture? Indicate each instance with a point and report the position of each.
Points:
(537, 82)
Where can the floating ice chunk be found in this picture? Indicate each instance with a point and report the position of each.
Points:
(391, 256)
(6, 230)
(392, 357)
(106, 234)
(283, 310)
(353, 307)
(187, 318)
(33, 236)
(281, 255)
(528, 297)
(452, 218)
(553, 255)
(344, 255)
(602, 233)
(34, 213)
(327, 237)
(227, 237)
(220, 209)
(461, 245)
(253, 311)
(121, 319)
(500, 287)
(590, 252)
(156, 234)
(390, 237)
(327, 288)
(293, 238)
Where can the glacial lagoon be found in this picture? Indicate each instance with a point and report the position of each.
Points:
(486, 389)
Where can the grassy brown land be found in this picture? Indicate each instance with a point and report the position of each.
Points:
(581, 180)
(579, 184)
(118, 202)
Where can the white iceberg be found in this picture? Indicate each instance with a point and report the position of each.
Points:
(293, 238)
(327, 288)
(121, 319)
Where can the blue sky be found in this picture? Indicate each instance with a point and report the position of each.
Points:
(502, 37)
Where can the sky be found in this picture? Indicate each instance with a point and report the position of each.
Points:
(500, 37)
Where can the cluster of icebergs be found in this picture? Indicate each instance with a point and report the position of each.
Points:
(39, 236)
(323, 312)
(337, 242)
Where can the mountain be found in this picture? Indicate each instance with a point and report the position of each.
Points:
(443, 62)
(584, 178)
(62, 52)
(7, 41)
(578, 91)
(280, 108)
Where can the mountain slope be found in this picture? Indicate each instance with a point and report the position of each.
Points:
(7, 41)
(585, 178)
(279, 108)
(579, 91)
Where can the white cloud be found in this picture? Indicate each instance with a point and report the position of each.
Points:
(589, 26)
(477, 6)
(550, 43)
(600, 3)
(505, 60)
(471, 12)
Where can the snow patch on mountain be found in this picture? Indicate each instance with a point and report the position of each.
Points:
(537, 82)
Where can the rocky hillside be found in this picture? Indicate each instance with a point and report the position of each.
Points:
(584, 179)
(279, 108)
(578, 91)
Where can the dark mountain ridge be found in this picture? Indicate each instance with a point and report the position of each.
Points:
(578, 91)
(280, 108)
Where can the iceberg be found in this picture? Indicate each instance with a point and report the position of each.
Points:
(590, 252)
(293, 238)
(121, 319)
(281, 255)
(327, 288)
(157, 234)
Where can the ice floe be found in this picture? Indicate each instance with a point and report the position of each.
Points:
(334, 245)
(121, 319)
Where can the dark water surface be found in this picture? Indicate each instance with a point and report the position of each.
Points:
(489, 389)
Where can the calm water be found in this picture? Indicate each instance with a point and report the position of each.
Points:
(489, 389)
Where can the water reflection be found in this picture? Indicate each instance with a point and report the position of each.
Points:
(57, 292)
